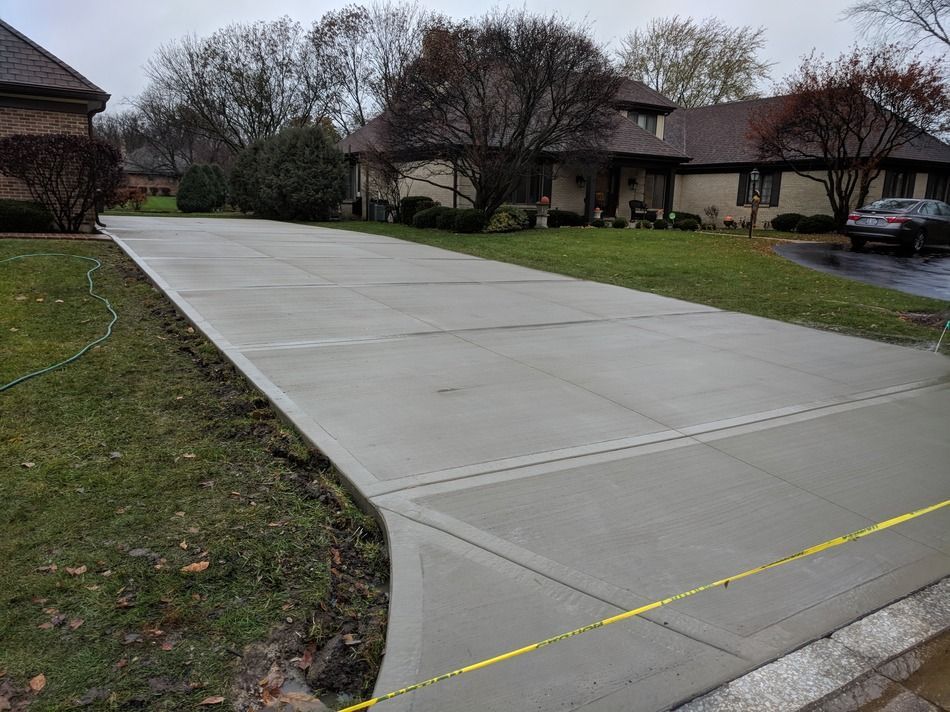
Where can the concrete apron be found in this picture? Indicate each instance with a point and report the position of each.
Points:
(545, 452)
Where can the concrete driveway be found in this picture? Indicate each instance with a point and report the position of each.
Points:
(926, 275)
(547, 451)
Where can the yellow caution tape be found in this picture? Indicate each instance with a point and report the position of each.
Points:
(831, 543)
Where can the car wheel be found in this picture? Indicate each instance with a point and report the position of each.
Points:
(914, 244)
(858, 243)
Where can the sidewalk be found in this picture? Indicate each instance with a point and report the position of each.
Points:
(545, 452)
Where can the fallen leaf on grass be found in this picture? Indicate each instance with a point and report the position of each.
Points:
(60, 301)
(40, 299)
(51, 568)
(195, 567)
(75, 623)
(189, 455)
(215, 700)
(306, 660)
(77, 571)
(28, 465)
(350, 639)
(336, 556)
(20, 298)
(38, 682)
(121, 663)
(179, 514)
(45, 626)
(183, 545)
(166, 646)
(124, 601)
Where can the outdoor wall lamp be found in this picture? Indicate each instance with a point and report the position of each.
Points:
(580, 181)
(754, 178)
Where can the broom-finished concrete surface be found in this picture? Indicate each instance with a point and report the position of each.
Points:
(546, 451)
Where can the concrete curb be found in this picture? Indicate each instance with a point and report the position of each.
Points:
(842, 671)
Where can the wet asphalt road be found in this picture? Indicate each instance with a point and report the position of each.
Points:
(926, 274)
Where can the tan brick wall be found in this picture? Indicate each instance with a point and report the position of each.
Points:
(34, 121)
(153, 184)
(694, 192)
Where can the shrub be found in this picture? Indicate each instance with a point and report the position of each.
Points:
(445, 218)
(129, 197)
(24, 216)
(165, 191)
(67, 174)
(218, 182)
(687, 224)
(598, 223)
(686, 216)
(620, 222)
(660, 224)
(470, 220)
(412, 204)
(787, 222)
(197, 192)
(298, 174)
(428, 218)
(564, 218)
(813, 224)
(711, 212)
(508, 218)
(643, 225)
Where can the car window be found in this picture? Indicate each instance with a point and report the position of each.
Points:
(927, 209)
(896, 205)
(943, 209)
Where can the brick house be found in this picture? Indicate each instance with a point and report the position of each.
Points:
(40, 94)
(668, 158)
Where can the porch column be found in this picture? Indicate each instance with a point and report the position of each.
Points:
(668, 197)
(591, 191)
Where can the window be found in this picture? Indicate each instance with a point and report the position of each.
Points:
(899, 184)
(531, 187)
(938, 187)
(353, 182)
(928, 209)
(646, 122)
(654, 190)
(769, 187)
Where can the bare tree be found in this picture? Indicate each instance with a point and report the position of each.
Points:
(491, 98)
(244, 82)
(696, 62)
(365, 48)
(919, 21)
(841, 119)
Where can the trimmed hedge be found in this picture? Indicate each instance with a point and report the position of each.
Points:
(687, 224)
(564, 218)
(197, 192)
(470, 220)
(508, 218)
(412, 204)
(24, 216)
(620, 222)
(598, 222)
(786, 222)
(660, 224)
(687, 216)
(814, 224)
(445, 218)
(643, 225)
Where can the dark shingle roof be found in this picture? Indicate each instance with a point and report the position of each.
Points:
(634, 92)
(363, 138)
(715, 135)
(629, 139)
(25, 64)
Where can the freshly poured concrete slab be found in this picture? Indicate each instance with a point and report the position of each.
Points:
(659, 376)
(355, 271)
(217, 249)
(878, 462)
(606, 300)
(471, 306)
(535, 478)
(425, 403)
(488, 271)
(850, 360)
(188, 274)
(625, 521)
(481, 605)
(293, 315)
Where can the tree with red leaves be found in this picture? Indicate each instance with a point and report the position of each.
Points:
(68, 174)
(841, 119)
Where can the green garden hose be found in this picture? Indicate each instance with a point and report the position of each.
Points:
(115, 317)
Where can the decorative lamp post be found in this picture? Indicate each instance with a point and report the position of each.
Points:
(542, 219)
(756, 199)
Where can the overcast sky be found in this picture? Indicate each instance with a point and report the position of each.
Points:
(109, 41)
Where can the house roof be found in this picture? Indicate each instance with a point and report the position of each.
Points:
(638, 93)
(29, 68)
(717, 135)
(629, 139)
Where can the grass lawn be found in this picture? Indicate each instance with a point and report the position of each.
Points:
(729, 272)
(148, 455)
(166, 206)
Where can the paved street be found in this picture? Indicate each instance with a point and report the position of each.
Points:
(547, 451)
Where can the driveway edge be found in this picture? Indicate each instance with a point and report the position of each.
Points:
(842, 671)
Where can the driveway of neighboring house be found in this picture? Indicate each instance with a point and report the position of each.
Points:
(546, 451)
(926, 275)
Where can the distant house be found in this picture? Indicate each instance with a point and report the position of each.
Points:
(151, 174)
(722, 157)
(41, 94)
(640, 166)
(667, 159)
